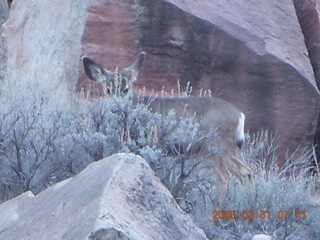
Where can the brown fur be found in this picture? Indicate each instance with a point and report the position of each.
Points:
(213, 115)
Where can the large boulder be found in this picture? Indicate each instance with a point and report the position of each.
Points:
(42, 43)
(117, 197)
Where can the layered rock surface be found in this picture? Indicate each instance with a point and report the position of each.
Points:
(118, 196)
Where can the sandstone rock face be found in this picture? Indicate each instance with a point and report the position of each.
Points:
(308, 14)
(110, 36)
(252, 55)
(42, 43)
(117, 197)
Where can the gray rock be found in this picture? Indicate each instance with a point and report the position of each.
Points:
(308, 15)
(116, 198)
(42, 41)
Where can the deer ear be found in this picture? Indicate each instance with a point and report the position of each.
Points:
(138, 62)
(94, 71)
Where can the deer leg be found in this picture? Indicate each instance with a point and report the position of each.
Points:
(240, 170)
(223, 176)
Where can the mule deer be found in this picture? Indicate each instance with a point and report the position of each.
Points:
(211, 113)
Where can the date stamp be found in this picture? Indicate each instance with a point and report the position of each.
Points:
(285, 214)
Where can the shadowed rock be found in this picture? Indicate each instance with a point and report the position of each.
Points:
(308, 15)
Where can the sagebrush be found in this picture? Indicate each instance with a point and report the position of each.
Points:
(42, 143)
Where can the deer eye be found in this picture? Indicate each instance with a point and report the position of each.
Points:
(126, 89)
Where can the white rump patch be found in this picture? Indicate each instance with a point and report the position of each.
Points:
(240, 130)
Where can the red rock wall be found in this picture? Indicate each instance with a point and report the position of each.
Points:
(109, 36)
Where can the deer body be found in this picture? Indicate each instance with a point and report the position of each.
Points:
(219, 116)
(212, 114)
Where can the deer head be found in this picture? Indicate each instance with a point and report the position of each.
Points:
(119, 82)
